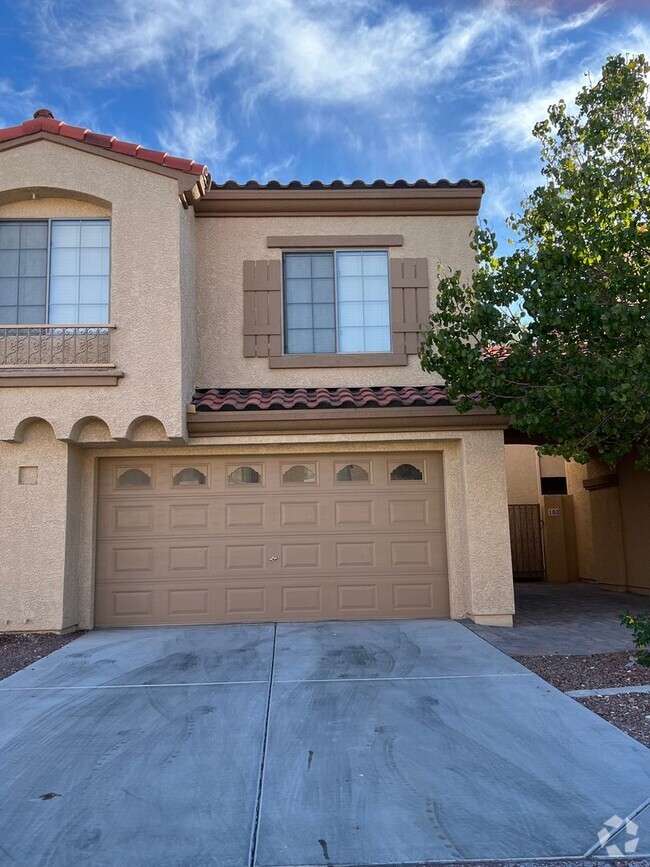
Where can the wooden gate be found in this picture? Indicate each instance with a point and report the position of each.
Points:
(526, 542)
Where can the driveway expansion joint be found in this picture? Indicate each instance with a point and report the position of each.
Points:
(260, 783)
(600, 845)
(130, 686)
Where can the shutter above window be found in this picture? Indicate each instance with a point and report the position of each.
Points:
(262, 308)
(409, 281)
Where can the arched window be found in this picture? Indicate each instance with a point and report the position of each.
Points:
(299, 473)
(406, 473)
(244, 476)
(189, 476)
(134, 478)
(352, 473)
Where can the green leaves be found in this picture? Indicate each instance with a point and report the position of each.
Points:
(556, 334)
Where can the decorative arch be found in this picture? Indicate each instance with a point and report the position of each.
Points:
(146, 429)
(90, 429)
(27, 426)
(25, 194)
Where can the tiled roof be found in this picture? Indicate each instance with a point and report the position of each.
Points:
(442, 184)
(255, 399)
(44, 121)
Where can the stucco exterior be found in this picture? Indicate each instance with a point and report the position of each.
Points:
(224, 243)
(612, 523)
(522, 474)
(477, 550)
(177, 307)
(145, 289)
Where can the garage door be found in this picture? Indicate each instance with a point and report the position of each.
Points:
(221, 540)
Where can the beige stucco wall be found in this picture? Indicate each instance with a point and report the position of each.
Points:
(613, 525)
(176, 302)
(599, 532)
(224, 243)
(634, 498)
(551, 465)
(522, 474)
(33, 533)
(145, 285)
(60, 557)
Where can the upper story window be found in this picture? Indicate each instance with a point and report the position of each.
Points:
(336, 302)
(54, 272)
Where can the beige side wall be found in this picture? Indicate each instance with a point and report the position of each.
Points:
(145, 286)
(551, 465)
(634, 497)
(225, 243)
(187, 280)
(33, 534)
(485, 511)
(32, 577)
(522, 474)
(599, 531)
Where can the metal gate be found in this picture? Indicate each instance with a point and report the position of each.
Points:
(526, 542)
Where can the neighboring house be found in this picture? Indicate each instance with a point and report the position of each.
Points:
(594, 521)
(612, 517)
(542, 529)
(212, 408)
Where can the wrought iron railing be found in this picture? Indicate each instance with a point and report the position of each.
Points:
(54, 345)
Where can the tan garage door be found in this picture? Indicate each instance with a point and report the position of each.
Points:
(225, 540)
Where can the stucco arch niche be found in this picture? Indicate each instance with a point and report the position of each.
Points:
(146, 429)
(33, 429)
(90, 429)
(44, 202)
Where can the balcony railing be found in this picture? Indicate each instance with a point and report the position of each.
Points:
(54, 345)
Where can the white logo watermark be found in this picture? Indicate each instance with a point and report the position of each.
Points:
(628, 831)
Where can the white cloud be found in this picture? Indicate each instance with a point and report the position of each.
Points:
(317, 50)
(516, 104)
(381, 81)
(510, 122)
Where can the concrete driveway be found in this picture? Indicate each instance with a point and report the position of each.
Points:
(302, 744)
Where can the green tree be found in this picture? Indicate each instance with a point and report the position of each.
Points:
(556, 334)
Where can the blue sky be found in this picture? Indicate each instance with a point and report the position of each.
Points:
(317, 88)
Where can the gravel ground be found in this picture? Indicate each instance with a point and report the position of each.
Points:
(597, 671)
(20, 649)
(631, 712)
(628, 712)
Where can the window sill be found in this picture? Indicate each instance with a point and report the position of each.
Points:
(81, 375)
(354, 359)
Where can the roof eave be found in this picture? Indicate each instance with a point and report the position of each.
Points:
(454, 201)
(191, 187)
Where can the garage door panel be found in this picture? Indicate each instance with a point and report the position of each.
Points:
(301, 513)
(248, 557)
(188, 558)
(249, 514)
(298, 542)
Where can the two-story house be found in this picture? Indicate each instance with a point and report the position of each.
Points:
(211, 404)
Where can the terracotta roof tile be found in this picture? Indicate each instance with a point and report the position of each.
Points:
(44, 121)
(442, 184)
(256, 399)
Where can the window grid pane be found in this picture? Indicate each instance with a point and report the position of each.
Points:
(309, 303)
(79, 272)
(363, 305)
(23, 269)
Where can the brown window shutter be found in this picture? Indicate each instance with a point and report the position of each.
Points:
(409, 279)
(262, 308)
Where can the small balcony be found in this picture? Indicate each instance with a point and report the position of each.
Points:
(56, 355)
